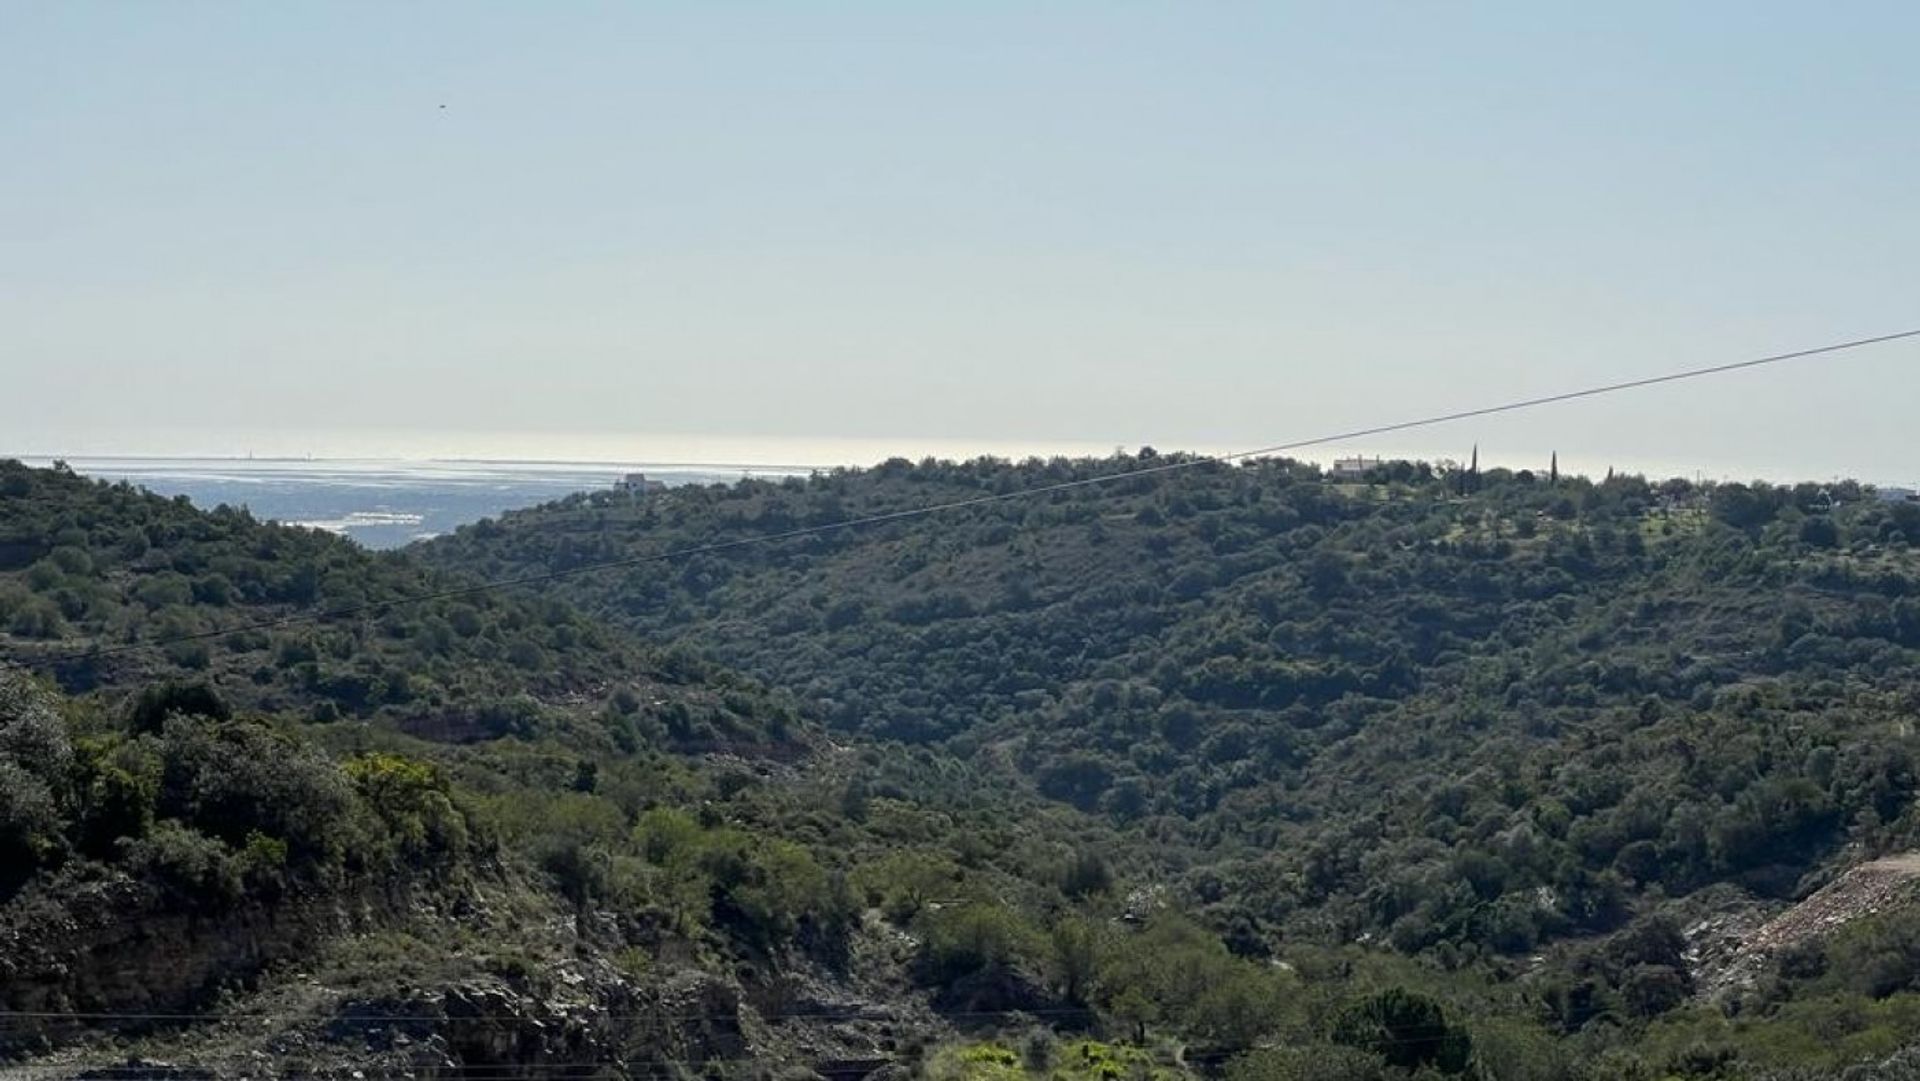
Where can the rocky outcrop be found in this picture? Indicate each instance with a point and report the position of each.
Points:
(558, 1018)
(1731, 949)
(114, 954)
(126, 988)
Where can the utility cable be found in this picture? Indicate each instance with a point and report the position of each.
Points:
(1179, 464)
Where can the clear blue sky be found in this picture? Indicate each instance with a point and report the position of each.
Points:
(1206, 225)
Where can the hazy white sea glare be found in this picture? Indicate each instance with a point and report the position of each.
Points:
(388, 502)
(381, 503)
(448, 453)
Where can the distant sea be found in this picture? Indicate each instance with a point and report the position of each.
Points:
(388, 503)
(386, 489)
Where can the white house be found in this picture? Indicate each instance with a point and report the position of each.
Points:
(1355, 468)
(638, 484)
(1896, 495)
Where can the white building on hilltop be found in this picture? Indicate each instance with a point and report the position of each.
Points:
(638, 484)
(1355, 468)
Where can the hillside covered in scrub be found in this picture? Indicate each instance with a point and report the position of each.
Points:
(91, 572)
(1222, 772)
(1466, 717)
(225, 855)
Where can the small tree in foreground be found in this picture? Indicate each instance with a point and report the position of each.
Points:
(1408, 1030)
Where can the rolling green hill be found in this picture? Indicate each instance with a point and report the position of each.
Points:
(1228, 771)
(271, 845)
(1466, 717)
(86, 565)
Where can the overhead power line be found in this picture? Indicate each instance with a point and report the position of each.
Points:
(1183, 463)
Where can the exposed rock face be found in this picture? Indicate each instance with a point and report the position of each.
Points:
(1864, 890)
(115, 947)
(556, 1025)
(1731, 950)
(143, 1070)
(596, 1017)
(553, 1019)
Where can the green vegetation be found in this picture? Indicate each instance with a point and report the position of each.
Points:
(1466, 725)
(1043, 1057)
(1231, 773)
(86, 564)
(1469, 728)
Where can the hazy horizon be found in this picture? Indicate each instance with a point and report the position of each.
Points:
(874, 229)
(553, 451)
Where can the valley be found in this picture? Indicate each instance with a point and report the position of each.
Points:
(1232, 770)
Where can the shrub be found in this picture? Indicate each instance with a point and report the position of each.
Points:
(29, 825)
(414, 801)
(235, 779)
(195, 870)
(190, 699)
(973, 939)
(1406, 1029)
